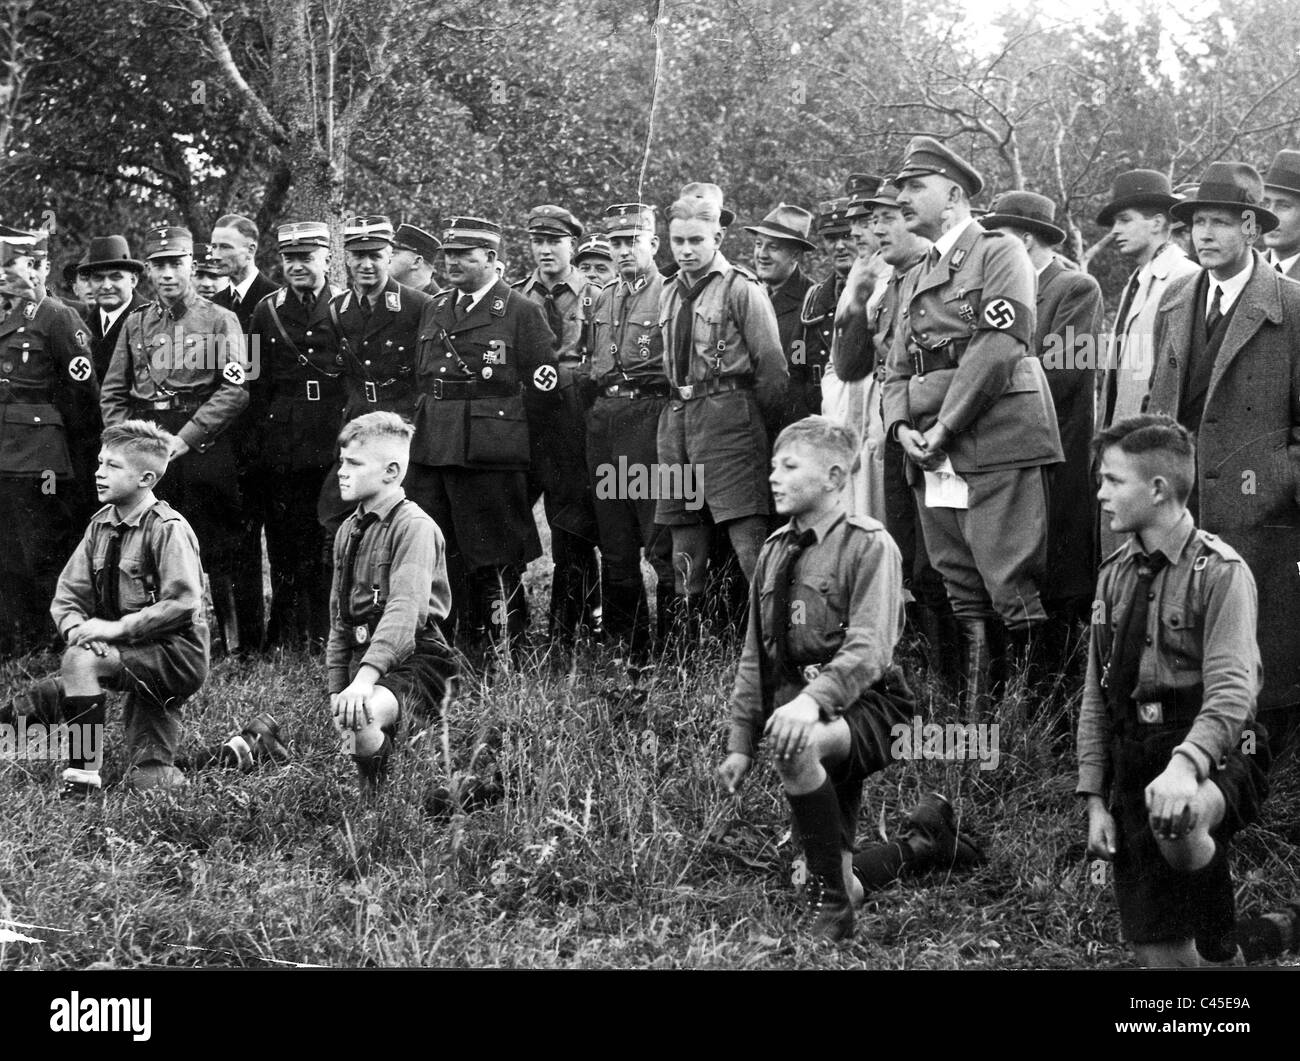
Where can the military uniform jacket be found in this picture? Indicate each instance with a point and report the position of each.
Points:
(187, 356)
(160, 579)
(961, 356)
(1200, 632)
(848, 589)
(296, 397)
(625, 342)
(734, 334)
(102, 343)
(379, 349)
(49, 415)
(817, 315)
(482, 380)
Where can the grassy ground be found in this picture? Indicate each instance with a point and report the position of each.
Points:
(613, 847)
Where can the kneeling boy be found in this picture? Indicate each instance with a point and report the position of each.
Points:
(130, 605)
(1173, 672)
(825, 612)
(386, 654)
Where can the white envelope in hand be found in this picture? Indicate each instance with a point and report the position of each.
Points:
(944, 488)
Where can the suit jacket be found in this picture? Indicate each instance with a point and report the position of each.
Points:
(485, 381)
(1132, 379)
(961, 355)
(102, 342)
(1248, 448)
(1069, 325)
(257, 290)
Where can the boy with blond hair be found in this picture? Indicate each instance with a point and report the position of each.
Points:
(386, 653)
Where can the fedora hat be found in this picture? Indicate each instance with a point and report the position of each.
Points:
(1137, 187)
(790, 223)
(109, 252)
(711, 194)
(1284, 173)
(1027, 210)
(1232, 186)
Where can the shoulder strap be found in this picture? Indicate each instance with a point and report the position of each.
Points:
(303, 359)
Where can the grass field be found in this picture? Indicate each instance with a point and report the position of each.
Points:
(612, 848)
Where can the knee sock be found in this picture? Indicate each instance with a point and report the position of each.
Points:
(85, 711)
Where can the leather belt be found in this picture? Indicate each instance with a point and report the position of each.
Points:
(464, 389)
(713, 385)
(636, 390)
(162, 405)
(371, 388)
(936, 360)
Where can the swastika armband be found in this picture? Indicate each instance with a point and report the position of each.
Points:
(999, 314)
(233, 373)
(79, 369)
(545, 378)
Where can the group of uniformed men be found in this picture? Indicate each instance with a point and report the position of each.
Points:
(638, 403)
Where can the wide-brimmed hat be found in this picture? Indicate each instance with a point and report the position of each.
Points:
(1234, 186)
(790, 223)
(1137, 187)
(109, 252)
(711, 194)
(1027, 210)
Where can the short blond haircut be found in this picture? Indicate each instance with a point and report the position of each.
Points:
(692, 209)
(837, 443)
(385, 427)
(145, 445)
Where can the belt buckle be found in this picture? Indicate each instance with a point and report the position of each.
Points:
(313, 390)
(1151, 713)
(361, 633)
(160, 405)
(613, 391)
(686, 393)
(437, 390)
(811, 672)
(372, 394)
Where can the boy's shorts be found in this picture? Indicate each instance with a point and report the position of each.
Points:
(422, 682)
(870, 719)
(158, 677)
(1158, 904)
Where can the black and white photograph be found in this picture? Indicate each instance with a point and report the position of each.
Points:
(628, 485)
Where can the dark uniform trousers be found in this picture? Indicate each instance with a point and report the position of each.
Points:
(486, 382)
(630, 393)
(559, 462)
(254, 495)
(49, 426)
(296, 403)
(378, 346)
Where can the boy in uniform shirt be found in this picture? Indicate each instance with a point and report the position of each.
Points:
(817, 675)
(386, 655)
(1173, 672)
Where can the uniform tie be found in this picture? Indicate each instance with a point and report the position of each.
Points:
(109, 604)
(794, 548)
(685, 329)
(554, 318)
(349, 564)
(1131, 634)
(463, 302)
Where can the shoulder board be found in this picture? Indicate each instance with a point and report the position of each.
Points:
(745, 271)
(162, 510)
(993, 232)
(1218, 546)
(139, 309)
(518, 285)
(280, 296)
(334, 291)
(865, 523)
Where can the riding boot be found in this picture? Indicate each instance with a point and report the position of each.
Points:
(975, 700)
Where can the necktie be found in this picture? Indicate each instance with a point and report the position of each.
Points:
(554, 318)
(463, 302)
(1215, 313)
(685, 329)
(363, 304)
(104, 324)
(109, 605)
(794, 548)
(349, 564)
(1277, 264)
(1131, 635)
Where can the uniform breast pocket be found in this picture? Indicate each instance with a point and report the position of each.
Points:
(964, 307)
(817, 604)
(26, 361)
(137, 584)
(1180, 630)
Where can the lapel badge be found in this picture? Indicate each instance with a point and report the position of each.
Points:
(487, 371)
(498, 304)
(393, 301)
(362, 634)
(640, 283)
(958, 256)
(279, 298)
(30, 311)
